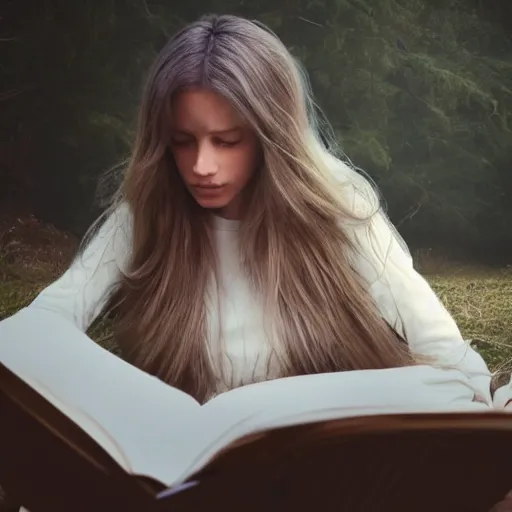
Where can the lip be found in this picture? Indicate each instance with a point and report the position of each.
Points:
(208, 191)
(208, 187)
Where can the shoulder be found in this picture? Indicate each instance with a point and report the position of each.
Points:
(110, 237)
(375, 243)
(118, 219)
(121, 222)
(358, 196)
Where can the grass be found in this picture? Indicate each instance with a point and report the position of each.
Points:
(33, 254)
(480, 300)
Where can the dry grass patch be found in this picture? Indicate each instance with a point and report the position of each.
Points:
(32, 254)
(481, 303)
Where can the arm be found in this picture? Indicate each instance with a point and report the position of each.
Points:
(409, 304)
(82, 291)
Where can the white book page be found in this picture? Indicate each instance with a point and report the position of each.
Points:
(305, 399)
(135, 417)
(154, 430)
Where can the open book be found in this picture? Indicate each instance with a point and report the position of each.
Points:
(154, 431)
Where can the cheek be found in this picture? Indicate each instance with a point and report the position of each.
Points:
(244, 165)
(183, 162)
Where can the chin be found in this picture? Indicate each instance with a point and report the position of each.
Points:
(211, 204)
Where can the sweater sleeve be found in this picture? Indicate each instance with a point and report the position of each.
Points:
(82, 291)
(408, 303)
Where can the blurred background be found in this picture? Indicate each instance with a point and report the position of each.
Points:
(419, 93)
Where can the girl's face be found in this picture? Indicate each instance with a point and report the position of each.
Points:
(215, 151)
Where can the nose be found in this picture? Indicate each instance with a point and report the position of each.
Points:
(206, 164)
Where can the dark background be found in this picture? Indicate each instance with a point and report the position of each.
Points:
(418, 91)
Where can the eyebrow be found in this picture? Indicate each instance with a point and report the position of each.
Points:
(226, 131)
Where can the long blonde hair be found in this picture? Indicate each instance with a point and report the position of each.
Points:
(294, 248)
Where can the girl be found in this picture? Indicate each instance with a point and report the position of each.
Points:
(238, 247)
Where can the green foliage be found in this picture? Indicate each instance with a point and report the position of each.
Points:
(81, 74)
(419, 93)
(421, 99)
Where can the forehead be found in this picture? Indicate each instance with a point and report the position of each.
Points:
(201, 110)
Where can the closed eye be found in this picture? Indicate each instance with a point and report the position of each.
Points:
(182, 142)
(226, 143)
